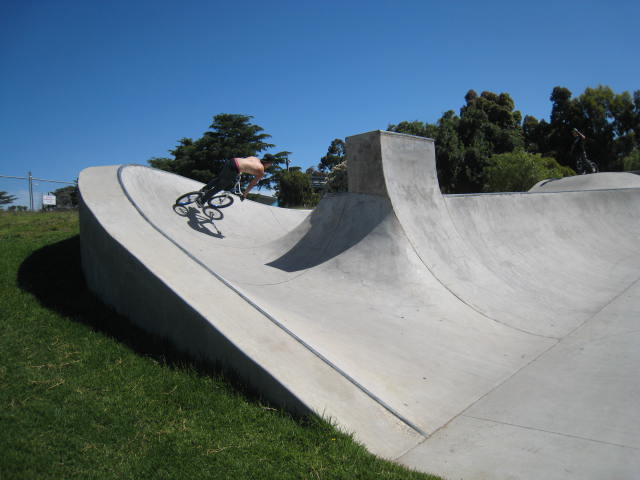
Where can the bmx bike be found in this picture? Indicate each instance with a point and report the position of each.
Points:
(211, 209)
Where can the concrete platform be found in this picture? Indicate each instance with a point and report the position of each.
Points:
(476, 336)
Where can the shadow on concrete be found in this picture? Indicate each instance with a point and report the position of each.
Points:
(200, 222)
(336, 225)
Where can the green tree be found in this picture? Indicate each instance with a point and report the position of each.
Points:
(518, 171)
(416, 127)
(536, 135)
(338, 179)
(563, 116)
(487, 124)
(294, 189)
(6, 199)
(270, 180)
(231, 135)
(449, 148)
(610, 122)
(631, 163)
(450, 153)
(67, 196)
(335, 155)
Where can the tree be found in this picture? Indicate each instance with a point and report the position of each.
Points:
(449, 153)
(272, 173)
(335, 155)
(338, 179)
(609, 121)
(415, 127)
(487, 124)
(518, 171)
(294, 189)
(631, 163)
(67, 196)
(536, 135)
(6, 199)
(232, 135)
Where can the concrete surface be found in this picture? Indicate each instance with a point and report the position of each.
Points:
(593, 181)
(477, 336)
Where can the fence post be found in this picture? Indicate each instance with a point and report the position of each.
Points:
(30, 192)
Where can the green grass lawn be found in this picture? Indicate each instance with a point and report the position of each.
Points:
(85, 394)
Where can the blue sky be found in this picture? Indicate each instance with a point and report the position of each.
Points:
(91, 82)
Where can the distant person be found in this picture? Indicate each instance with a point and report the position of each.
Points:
(232, 168)
(583, 164)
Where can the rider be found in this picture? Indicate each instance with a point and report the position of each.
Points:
(232, 168)
(583, 165)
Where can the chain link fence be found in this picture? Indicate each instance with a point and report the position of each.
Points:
(32, 193)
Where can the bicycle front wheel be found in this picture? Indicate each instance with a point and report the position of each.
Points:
(212, 213)
(187, 198)
(221, 200)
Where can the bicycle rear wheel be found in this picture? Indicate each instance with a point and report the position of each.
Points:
(187, 198)
(181, 210)
(221, 200)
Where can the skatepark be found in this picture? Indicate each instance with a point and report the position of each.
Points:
(468, 336)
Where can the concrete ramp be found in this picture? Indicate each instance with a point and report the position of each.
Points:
(592, 181)
(476, 336)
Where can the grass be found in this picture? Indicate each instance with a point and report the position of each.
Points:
(85, 394)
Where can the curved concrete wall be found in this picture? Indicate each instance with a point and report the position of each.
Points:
(155, 267)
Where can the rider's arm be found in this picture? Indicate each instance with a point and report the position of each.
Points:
(253, 183)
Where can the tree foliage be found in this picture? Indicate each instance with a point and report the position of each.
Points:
(518, 171)
(335, 155)
(6, 199)
(609, 121)
(631, 163)
(488, 124)
(294, 189)
(67, 197)
(338, 179)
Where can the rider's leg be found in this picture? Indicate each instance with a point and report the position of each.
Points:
(212, 183)
(224, 181)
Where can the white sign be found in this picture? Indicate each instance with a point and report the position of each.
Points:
(48, 199)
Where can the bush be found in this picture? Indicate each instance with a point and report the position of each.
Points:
(295, 190)
(632, 161)
(518, 171)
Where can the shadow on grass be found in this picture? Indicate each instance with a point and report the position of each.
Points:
(54, 276)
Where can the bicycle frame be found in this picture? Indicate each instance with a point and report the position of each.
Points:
(237, 189)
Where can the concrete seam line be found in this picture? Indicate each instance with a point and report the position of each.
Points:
(263, 312)
(551, 432)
